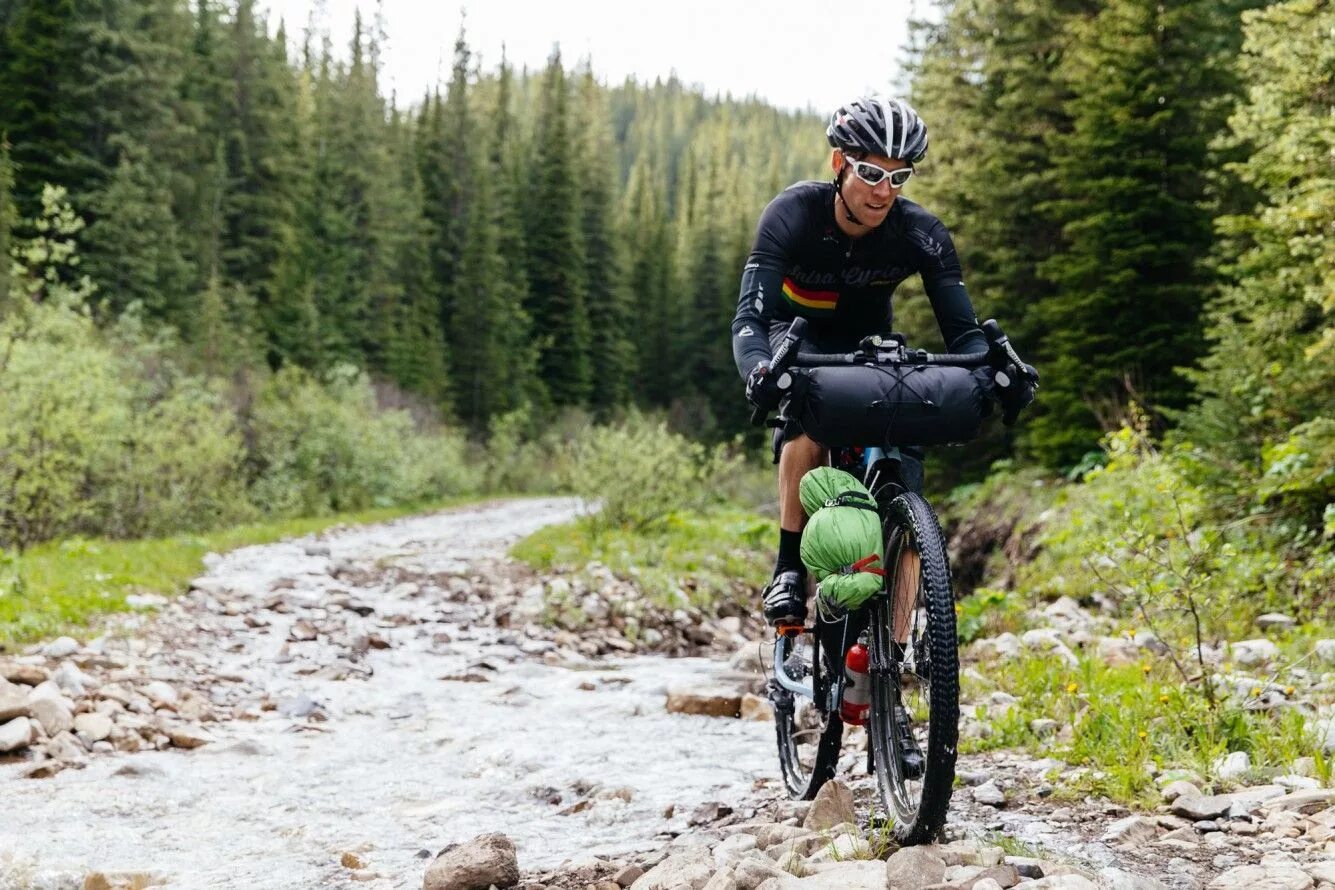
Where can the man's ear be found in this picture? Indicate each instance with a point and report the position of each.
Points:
(836, 161)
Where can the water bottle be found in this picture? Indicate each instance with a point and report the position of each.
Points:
(857, 686)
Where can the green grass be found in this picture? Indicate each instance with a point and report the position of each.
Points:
(1124, 717)
(696, 558)
(64, 587)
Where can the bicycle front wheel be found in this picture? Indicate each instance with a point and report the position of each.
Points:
(914, 719)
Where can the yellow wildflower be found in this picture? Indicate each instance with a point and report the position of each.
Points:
(1072, 688)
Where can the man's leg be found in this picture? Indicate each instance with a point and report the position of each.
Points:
(785, 597)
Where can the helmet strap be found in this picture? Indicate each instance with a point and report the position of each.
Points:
(839, 189)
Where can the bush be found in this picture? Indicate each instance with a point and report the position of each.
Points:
(326, 448)
(641, 473)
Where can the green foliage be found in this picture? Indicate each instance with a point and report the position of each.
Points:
(325, 448)
(640, 473)
(985, 613)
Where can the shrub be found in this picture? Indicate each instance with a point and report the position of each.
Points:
(641, 473)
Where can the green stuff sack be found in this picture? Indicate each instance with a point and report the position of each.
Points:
(841, 545)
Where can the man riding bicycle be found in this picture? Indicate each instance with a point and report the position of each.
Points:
(833, 253)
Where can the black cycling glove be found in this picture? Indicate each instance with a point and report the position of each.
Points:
(1017, 392)
(762, 390)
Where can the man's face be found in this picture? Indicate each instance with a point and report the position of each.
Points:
(869, 203)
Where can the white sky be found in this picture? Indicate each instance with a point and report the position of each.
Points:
(792, 53)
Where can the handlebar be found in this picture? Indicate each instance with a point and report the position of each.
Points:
(909, 357)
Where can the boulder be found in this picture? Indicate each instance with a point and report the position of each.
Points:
(54, 716)
(1115, 879)
(92, 727)
(1199, 808)
(1307, 801)
(707, 702)
(689, 870)
(913, 867)
(833, 804)
(61, 647)
(1325, 650)
(1276, 621)
(1062, 882)
(1179, 788)
(28, 674)
(989, 794)
(754, 707)
(17, 733)
(1131, 830)
(1232, 766)
(1263, 877)
(13, 703)
(485, 861)
(1253, 652)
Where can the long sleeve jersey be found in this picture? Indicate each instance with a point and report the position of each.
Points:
(803, 264)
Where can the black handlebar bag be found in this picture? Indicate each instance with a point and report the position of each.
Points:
(892, 405)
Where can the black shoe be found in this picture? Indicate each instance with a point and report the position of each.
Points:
(911, 761)
(785, 599)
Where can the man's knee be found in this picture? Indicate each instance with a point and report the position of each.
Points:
(804, 449)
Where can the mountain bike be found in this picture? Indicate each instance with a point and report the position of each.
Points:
(907, 627)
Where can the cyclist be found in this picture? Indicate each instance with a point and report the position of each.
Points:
(834, 252)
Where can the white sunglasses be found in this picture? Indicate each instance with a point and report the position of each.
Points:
(872, 174)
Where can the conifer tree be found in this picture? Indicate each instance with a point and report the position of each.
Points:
(652, 281)
(557, 288)
(604, 259)
(1146, 85)
(8, 218)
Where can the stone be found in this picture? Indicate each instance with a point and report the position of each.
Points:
(1263, 877)
(352, 861)
(1308, 801)
(1044, 727)
(1116, 879)
(753, 871)
(832, 805)
(120, 880)
(689, 870)
(13, 703)
(747, 658)
(1321, 872)
(913, 867)
(1253, 652)
(1232, 766)
(627, 875)
(985, 884)
(1002, 876)
(731, 849)
(61, 647)
(1180, 788)
(1275, 621)
(160, 694)
(869, 875)
(17, 733)
(66, 748)
(776, 833)
(183, 735)
(1131, 830)
(92, 727)
(485, 861)
(756, 708)
(843, 847)
(1325, 650)
(25, 674)
(53, 715)
(705, 701)
(1062, 882)
(722, 880)
(1198, 808)
(989, 794)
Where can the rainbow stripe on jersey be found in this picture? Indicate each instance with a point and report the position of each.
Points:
(813, 301)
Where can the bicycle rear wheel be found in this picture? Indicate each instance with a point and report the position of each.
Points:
(809, 738)
(918, 673)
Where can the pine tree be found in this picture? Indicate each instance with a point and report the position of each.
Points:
(556, 253)
(604, 258)
(652, 279)
(1146, 83)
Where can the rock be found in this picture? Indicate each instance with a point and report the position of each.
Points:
(1297, 783)
(690, 870)
(841, 876)
(1198, 808)
(733, 848)
(61, 647)
(1043, 727)
(13, 703)
(756, 708)
(1131, 830)
(302, 631)
(747, 658)
(986, 884)
(1323, 731)
(120, 880)
(160, 693)
(832, 805)
(753, 872)
(53, 715)
(913, 867)
(1046, 639)
(1180, 788)
(1062, 882)
(92, 727)
(1253, 652)
(1321, 872)
(843, 847)
(776, 833)
(183, 735)
(26, 674)
(1115, 879)
(1325, 650)
(1275, 621)
(1003, 647)
(707, 702)
(989, 794)
(1309, 801)
(485, 861)
(1232, 766)
(1118, 650)
(352, 860)
(627, 876)
(1263, 877)
(722, 880)
(66, 748)
(17, 733)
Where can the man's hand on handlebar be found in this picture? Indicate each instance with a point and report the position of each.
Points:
(762, 388)
(1019, 394)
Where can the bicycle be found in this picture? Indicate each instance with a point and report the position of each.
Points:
(908, 627)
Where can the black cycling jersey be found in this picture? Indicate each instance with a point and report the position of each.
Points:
(803, 264)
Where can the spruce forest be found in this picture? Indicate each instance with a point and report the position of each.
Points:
(242, 279)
